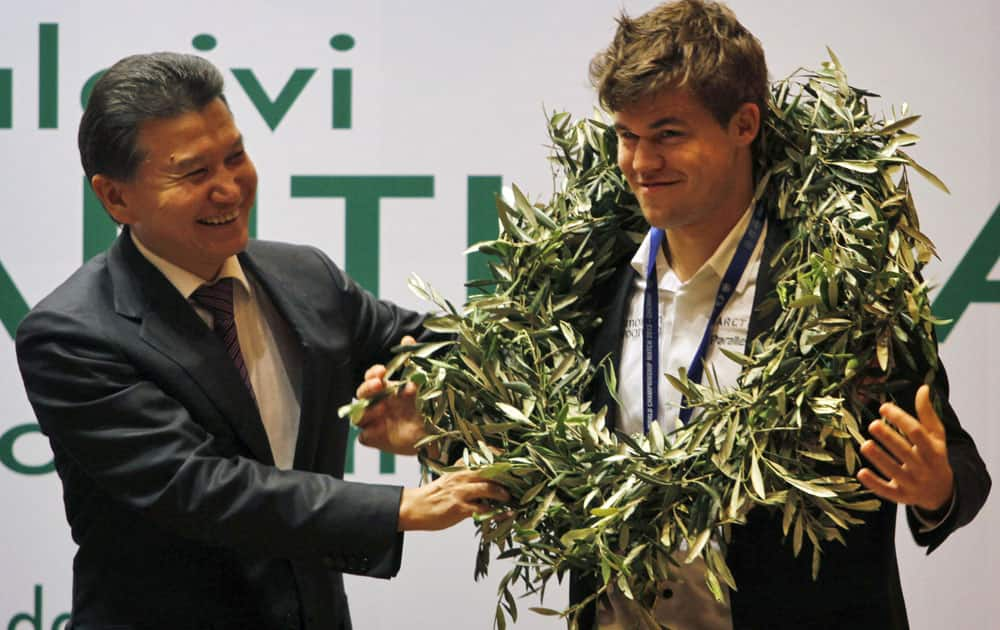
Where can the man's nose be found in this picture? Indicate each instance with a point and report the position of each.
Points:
(647, 157)
(226, 189)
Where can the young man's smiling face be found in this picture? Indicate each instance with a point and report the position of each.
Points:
(190, 199)
(686, 169)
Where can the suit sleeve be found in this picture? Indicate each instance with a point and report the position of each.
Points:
(376, 325)
(117, 433)
(972, 481)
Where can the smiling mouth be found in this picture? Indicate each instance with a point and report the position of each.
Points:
(657, 184)
(222, 219)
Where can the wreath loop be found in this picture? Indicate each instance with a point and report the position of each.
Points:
(511, 387)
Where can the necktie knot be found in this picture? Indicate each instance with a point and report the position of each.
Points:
(217, 299)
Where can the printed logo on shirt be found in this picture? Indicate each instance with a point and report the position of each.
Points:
(730, 333)
(633, 327)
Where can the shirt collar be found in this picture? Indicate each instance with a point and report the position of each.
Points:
(716, 264)
(185, 281)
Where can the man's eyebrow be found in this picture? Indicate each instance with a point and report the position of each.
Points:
(660, 122)
(187, 163)
(666, 120)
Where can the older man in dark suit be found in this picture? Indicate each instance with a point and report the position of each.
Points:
(189, 380)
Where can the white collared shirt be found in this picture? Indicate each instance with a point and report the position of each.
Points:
(684, 309)
(269, 349)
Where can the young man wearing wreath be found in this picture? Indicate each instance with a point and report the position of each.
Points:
(687, 86)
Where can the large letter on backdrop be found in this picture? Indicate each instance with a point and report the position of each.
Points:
(970, 282)
(13, 308)
(361, 195)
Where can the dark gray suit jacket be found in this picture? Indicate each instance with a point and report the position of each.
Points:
(858, 585)
(170, 491)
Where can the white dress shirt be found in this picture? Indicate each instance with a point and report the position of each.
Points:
(684, 309)
(269, 349)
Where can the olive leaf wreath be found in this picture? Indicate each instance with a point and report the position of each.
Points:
(510, 387)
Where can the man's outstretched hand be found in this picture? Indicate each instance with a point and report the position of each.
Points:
(913, 457)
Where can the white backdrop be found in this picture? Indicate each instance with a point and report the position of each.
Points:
(450, 90)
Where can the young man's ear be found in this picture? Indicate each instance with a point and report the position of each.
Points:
(745, 123)
(112, 196)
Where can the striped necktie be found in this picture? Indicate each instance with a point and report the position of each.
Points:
(218, 300)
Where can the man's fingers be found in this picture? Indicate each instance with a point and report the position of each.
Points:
(899, 418)
(474, 487)
(885, 463)
(374, 381)
(468, 508)
(407, 341)
(922, 433)
(890, 440)
(375, 371)
(449, 499)
(924, 444)
(369, 388)
(491, 491)
(478, 496)
(929, 418)
(879, 486)
(409, 390)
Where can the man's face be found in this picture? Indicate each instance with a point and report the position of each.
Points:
(686, 169)
(191, 197)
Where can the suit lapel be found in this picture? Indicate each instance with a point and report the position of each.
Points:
(765, 311)
(608, 341)
(279, 285)
(171, 326)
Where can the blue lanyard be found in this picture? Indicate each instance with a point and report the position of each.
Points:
(651, 334)
(650, 317)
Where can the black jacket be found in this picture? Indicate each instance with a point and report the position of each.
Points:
(858, 585)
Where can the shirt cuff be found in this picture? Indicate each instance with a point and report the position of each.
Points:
(929, 521)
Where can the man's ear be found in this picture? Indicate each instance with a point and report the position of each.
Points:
(745, 123)
(112, 195)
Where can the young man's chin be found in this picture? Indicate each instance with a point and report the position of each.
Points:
(660, 217)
